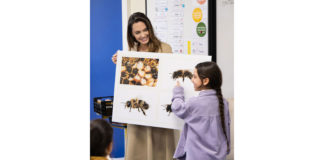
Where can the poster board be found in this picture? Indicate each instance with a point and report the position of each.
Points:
(143, 87)
(181, 23)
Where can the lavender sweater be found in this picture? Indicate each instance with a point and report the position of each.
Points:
(202, 137)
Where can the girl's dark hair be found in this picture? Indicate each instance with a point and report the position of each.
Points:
(101, 134)
(154, 43)
(211, 71)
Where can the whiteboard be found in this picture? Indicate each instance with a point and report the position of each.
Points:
(181, 23)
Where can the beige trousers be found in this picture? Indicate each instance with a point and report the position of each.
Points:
(150, 143)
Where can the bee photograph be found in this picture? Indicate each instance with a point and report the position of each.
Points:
(182, 74)
(139, 71)
(165, 114)
(167, 108)
(137, 104)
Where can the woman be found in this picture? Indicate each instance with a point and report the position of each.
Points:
(147, 143)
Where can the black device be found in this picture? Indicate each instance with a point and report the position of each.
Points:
(103, 105)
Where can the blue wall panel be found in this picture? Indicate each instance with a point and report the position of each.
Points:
(105, 40)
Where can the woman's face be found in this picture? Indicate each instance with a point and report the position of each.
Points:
(140, 32)
(196, 81)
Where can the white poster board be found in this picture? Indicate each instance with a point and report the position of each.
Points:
(143, 87)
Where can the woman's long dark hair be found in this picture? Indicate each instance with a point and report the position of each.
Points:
(211, 71)
(101, 134)
(154, 43)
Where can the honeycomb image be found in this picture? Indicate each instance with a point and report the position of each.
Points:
(139, 71)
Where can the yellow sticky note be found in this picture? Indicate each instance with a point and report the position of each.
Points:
(189, 47)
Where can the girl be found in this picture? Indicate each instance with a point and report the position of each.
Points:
(206, 133)
(143, 142)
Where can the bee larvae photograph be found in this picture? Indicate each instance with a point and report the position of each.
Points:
(139, 71)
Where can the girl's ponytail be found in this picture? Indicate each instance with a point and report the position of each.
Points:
(221, 111)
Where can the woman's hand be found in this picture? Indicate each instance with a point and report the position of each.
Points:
(114, 58)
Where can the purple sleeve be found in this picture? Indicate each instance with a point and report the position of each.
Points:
(179, 107)
(228, 124)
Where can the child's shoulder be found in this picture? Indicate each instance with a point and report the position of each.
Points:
(206, 99)
(195, 100)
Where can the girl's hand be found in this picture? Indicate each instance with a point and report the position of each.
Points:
(114, 58)
(178, 84)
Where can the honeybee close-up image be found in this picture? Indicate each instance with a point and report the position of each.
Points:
(138, 104)
(139, 71)
(182, 74)
(167, 108)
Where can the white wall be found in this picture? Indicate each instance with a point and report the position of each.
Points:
(225, 39)
(129, 7)
(225, 44)
(135, 6)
